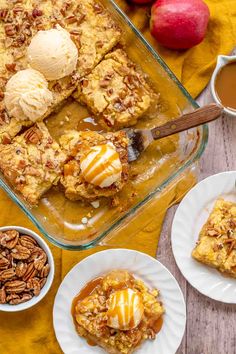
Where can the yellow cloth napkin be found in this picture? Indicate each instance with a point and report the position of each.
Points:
(194, 66)
(31, 331)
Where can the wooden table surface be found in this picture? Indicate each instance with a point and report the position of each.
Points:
(211, 325)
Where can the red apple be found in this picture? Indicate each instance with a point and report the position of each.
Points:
(179, 24)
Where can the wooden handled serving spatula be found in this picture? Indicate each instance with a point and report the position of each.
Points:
(140, 139)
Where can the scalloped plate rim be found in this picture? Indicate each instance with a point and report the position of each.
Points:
(171, 278)
(209, 270)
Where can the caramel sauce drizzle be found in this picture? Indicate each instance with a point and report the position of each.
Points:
(90, 173)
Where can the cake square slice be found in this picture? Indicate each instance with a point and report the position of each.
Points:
(91, 28)
(116, 91)
(77, 145)
(32, 163)
(217, 239)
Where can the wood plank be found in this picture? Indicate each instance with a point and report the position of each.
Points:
(210, 324)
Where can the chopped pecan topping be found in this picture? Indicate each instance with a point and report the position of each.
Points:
(75, 32)
(99, 44)
(80, 18)
(110, 91)
(57, 87)
(98, 9)
(37, 13)
(71, 19)
(10, 30)
(18, 9)
(21, 164)
(5, 139)
(33, 135)
(3, 14)
(50, 164)
(85, 82)
(66, 5)
(11, 67)
(104, 83)
(232, 244)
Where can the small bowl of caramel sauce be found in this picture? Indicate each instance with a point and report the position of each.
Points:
(223, 84)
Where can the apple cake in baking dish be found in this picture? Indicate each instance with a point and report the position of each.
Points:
(91, 29)
(50, 50)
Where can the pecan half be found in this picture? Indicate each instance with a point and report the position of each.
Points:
(20, 252)
(28, 241)
(34, 285)
(42, 282)
(7, 274)
(3, 299)
(9, 238)
(4, 262)
(15, 286)
(21, 268)
(12, 297)
(30, 272)
(45, 271)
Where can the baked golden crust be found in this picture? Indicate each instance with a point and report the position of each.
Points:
(116, 91)
(76, 145)
(217, 240)
(90, 315)
(91, 28)
(32, 162)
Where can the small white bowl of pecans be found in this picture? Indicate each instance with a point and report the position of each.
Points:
(26, 268)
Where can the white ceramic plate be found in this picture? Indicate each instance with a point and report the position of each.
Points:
(152, 272)
(191, 215)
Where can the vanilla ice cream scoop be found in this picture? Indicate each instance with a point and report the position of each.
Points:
(101, 166)
(125, 309)
(53, 53)
(27, 96)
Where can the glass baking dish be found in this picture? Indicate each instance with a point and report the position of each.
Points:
(77, 226)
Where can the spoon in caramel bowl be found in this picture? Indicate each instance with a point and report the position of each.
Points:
(140, 139)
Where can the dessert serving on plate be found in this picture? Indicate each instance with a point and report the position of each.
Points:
(117, 312)
(216, 246)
